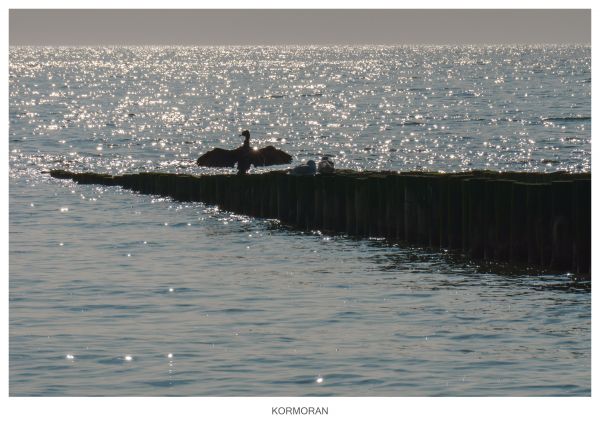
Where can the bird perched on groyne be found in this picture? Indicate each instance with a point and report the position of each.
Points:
(244, 156)
(325, 165)
(310, 168)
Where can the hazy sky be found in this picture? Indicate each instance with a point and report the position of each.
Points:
(248, 27)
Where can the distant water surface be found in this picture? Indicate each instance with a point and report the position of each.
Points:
(115, 293)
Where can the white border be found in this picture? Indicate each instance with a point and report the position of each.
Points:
(259, 409)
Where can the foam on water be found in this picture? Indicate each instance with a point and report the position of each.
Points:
(116, 293)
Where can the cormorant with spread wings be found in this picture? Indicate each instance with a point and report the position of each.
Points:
(244, 156)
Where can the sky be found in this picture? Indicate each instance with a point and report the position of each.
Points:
(276, 27)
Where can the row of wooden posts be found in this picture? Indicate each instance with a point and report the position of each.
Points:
(526, 219)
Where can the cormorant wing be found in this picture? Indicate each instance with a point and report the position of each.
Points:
(218, 157)
(269, 156)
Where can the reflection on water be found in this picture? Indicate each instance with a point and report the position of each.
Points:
(431, 108)
(294, 314)
(116, 293)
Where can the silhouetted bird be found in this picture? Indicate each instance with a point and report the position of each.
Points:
(310, 168)
(244, 156)
(325, 165)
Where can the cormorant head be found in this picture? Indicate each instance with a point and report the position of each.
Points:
(245, 133)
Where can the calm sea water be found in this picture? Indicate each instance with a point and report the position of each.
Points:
(115, 293)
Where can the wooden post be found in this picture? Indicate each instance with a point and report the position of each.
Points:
(476, 224)
(489, 220)
(534, 224)
(293, 196)
(350, 190)
(272, 180)
(309, 190)
(454, 219)
(546, 224)
(382, 226)
(410, 209)
(328, 202)
(283, 198)
(194, 188)
(583, 227)
(373, 195)
(339, 189)
(423, 206)
(398, 205)
(435, 205)
(442, 212)
(267, 210)
(518, 224)
(182, 188)
(503, 194)
(389, 207)
(466, 217)
(220, 190)
(361, 206)
(318, 201)
(562, 225)
(305, 204)
(163, 185)
(300, 202)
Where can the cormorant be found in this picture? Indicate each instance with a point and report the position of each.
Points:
(244, 156)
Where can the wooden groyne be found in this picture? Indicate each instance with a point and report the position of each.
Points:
(541, 220)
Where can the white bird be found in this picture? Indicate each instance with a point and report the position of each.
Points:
(325, 165)
(310, 168)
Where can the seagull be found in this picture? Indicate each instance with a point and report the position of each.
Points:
(310, 168)
(325, 165)
(244, 156)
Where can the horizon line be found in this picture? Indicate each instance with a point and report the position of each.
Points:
(305, 45)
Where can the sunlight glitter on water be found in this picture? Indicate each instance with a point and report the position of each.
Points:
(381, 318)
(408, 108)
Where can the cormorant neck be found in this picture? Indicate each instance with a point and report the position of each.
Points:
(247, 141)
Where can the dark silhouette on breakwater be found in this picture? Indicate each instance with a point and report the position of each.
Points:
(310, 168)
(538, 220)
(244, 156)
(326, 165)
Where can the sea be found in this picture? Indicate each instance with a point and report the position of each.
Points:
(114, 293)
